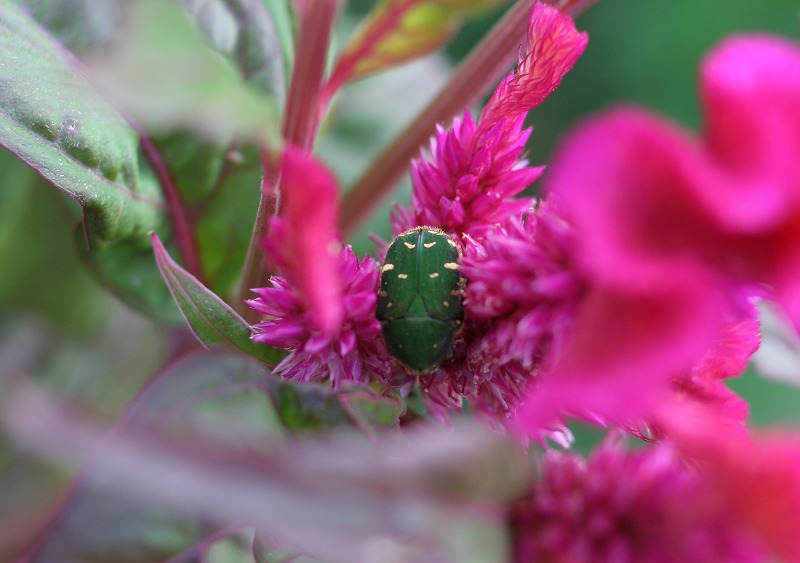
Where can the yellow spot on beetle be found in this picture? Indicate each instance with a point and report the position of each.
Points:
(450, 241)
(387, 267)
(451, 265)
(445, 303)
(428, 244)
(410, 245)
(402, 276)
(433, 275)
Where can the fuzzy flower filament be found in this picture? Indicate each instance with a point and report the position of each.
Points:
(321, 309)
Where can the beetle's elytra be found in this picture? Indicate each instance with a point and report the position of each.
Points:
(420, 298)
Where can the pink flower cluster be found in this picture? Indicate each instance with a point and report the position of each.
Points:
(322, 310)
(663, 504)
(466, 181)
(519, 294)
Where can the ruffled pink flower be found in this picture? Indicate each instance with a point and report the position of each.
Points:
(672, 233)
(353, 353)
(626, 506)
(466, 182)
(704, 383)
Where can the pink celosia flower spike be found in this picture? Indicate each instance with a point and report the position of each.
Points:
(641, 505)
(466, 181)
(554, 46)
(322, 308)
(304, 242)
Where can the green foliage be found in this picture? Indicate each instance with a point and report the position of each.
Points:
(397, 31)
(54, 121)
(212, 321)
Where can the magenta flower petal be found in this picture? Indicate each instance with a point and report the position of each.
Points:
(759, 478)
(303, 239)
(750, 88)
(621, 355)
(624, 182)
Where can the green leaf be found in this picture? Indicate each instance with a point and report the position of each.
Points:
(163, 73)
(54, 121)
(220, 187)
(397, 31)
(371, 412)
(306, 408)
(78, 24)
(51, 118)
(35, 224)
(212, 320)
(244, 32)
(127, 269)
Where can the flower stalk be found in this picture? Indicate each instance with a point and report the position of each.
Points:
(477, 74)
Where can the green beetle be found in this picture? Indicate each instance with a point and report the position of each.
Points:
(420, 298)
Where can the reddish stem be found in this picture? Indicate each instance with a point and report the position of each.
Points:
(302, 116)
(256, 269)
(181, 224)
(300, 123)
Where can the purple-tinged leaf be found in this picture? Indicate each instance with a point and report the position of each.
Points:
(219, 400)
(435, 494)
(219, 396)
(397, 31)
(212, 320)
